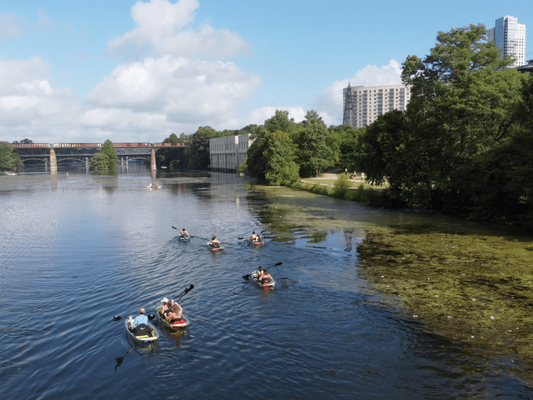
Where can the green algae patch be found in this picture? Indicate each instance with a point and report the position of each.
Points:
(468, 287)
(468, 282)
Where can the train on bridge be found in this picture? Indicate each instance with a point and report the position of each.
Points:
(95, 145)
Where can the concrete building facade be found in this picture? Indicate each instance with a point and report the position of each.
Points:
(227, 153)
(363, 104)
(510, 37)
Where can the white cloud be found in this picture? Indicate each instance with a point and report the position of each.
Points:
(184, 91)
(160, 32)
(11, 25)
(330, 101)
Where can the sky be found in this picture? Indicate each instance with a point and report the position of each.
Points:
(137, 71)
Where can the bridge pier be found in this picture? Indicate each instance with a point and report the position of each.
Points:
(53, 162)
(153, 166)
(45, 164)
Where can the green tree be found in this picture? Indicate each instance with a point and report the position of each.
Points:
(9, 160)
(314, 153)
(281, 169)
(198, 152)
(343, 141)
(461, 105)
(100, 162)
(111, 153)
(280, 121)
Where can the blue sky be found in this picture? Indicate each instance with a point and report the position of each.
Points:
(86, 71)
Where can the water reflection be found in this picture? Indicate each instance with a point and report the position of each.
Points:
(339, 325)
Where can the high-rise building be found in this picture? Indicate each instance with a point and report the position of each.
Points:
(363, 104)
(510, 37)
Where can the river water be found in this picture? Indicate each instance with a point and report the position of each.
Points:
(78, 249)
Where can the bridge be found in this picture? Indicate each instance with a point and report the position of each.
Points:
(51, 154)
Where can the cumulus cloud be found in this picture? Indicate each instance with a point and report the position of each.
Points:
(330, 101)
(183, 90)
(11, 25)
(160, 31)
(29, 105)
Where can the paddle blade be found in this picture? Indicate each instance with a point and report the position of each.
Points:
(151, 317)
(173, 227)
(117, 318)
(278, 263)
(246, 276)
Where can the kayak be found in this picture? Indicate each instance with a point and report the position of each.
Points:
(264, 285)
(181, 324)
(256, 243)
(215, 248)
(144, 338)
(185, 238)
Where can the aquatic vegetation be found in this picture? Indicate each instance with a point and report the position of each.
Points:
(469, 282)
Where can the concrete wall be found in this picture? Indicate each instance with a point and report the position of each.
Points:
(227, 153)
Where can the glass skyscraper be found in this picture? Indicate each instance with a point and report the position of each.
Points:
(510, 37)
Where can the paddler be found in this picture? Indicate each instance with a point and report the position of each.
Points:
(174, 312)
(183, 233)
(214, 242)
(255, 237)
(259, 273)
(265, 277)
(164, 307)
(139, 325)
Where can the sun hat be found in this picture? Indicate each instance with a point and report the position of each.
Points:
(165, 300)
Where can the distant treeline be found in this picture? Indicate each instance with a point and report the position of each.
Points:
(464, 145)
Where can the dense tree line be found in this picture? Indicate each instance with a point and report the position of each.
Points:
(463, 145)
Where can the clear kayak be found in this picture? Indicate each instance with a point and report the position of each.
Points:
(215, 247)
(256, 243)
(151, 336)
(179, 324)
(265, 285)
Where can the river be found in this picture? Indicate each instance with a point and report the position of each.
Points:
(77, 249)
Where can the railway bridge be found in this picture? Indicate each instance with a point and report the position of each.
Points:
(51, 154)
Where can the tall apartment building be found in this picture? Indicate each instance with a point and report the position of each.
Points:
(510, 37)
(363, 104)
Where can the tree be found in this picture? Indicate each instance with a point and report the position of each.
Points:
(280, 121)
(462, 102)
(198, 151)
(281, 169)
(314, 153)
(100, 162)
(111, 153)
(9, 160)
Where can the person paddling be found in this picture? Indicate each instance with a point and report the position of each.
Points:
(183, 233)
(259, 273)
(265, 277)
(214, 242)
(139, 325)
(174, 312)
(164, 307)
(255, 237)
